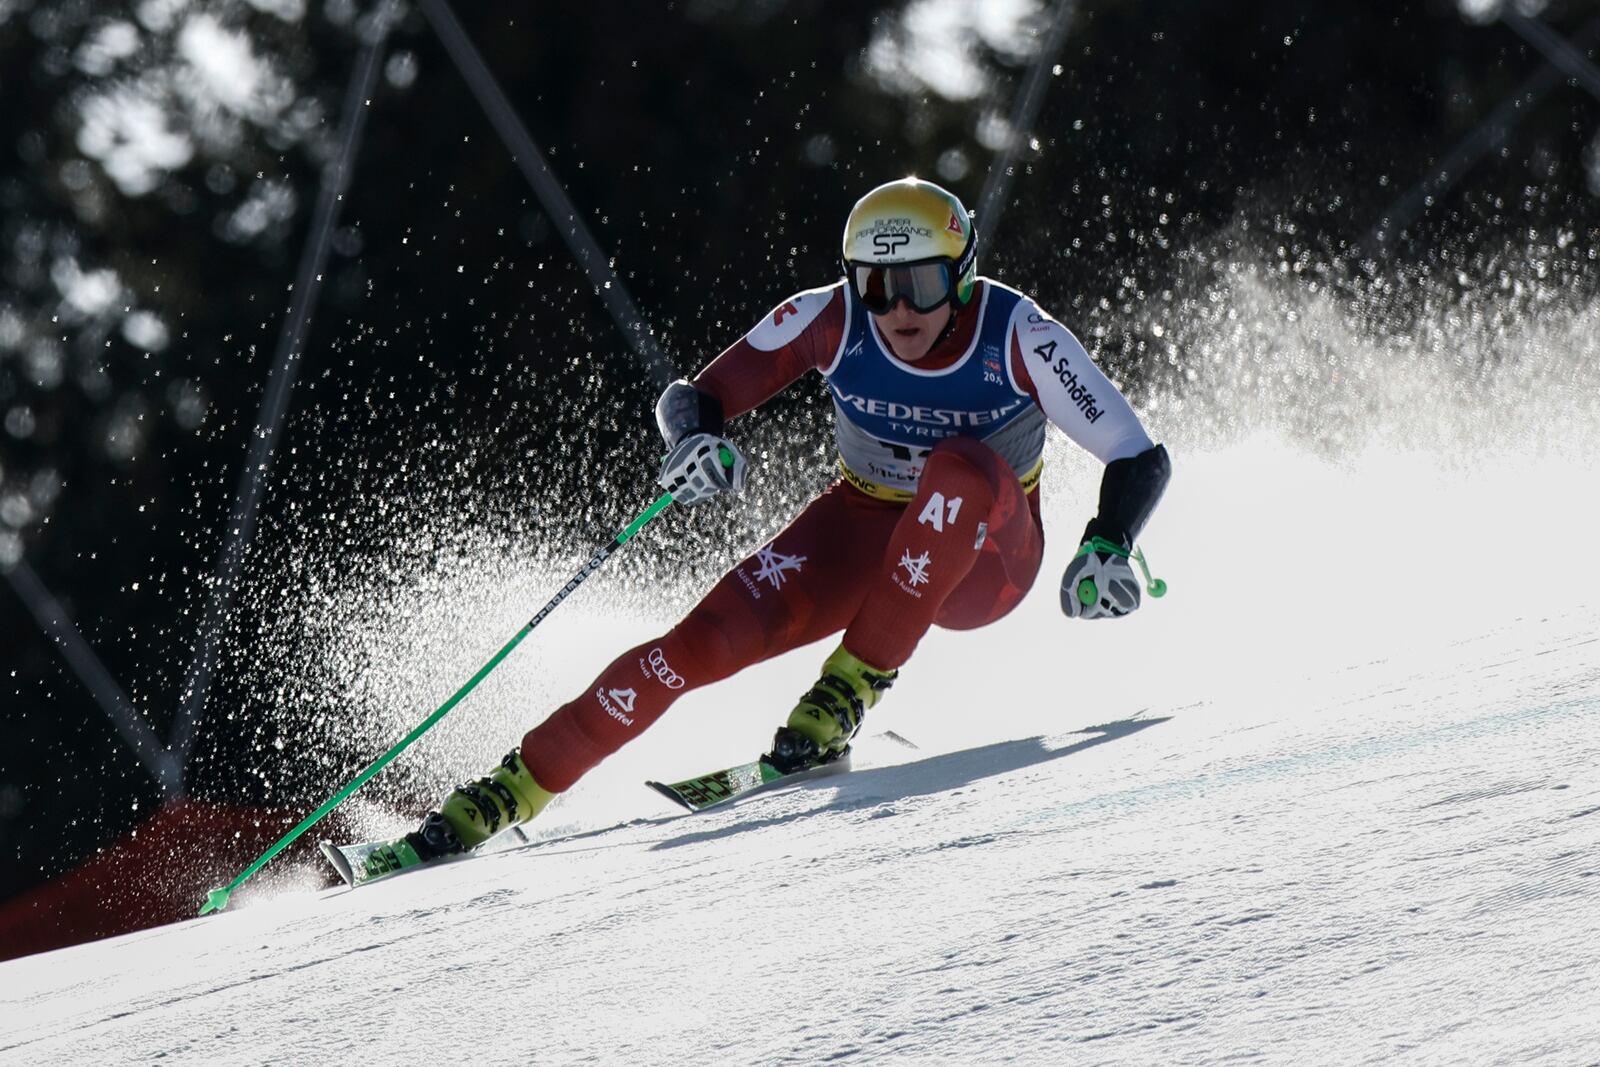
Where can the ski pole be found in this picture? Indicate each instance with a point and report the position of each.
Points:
(217, 899)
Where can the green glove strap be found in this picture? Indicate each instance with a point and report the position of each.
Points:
(1087, 593)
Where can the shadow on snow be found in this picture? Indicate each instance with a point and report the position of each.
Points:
(926, 777)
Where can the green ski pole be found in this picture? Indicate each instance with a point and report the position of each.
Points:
(217, 899)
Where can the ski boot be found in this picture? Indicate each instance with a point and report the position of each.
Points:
(475, 811)
(821, 725)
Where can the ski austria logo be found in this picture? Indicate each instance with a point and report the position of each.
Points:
(775, 566)
(663, 671)
(916, 567)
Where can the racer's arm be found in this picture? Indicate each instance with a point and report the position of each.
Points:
(801, 334)
(798, 335)
(1052, 366)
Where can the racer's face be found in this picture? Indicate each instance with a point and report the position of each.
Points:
(911, 333)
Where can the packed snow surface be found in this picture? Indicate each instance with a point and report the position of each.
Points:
(1332, 800)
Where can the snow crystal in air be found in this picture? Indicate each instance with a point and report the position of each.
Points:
(87, 294)
(145, 330)
(129, 132)
(227, 70)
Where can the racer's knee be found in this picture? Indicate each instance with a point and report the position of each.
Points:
(970, 449)
(985, 597)
(713, 642)
(968, 460)
(961, 467)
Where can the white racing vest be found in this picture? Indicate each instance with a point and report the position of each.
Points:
(888, 415)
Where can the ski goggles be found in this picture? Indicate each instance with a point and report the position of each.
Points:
(924, 286)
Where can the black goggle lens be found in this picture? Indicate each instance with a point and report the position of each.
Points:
(924, 286)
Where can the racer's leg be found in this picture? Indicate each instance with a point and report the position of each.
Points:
(938, 566)
(1006, 566)
(806, 583)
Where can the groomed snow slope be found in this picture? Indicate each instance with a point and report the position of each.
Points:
(1333, 801)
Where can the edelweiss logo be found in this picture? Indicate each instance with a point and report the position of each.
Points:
(916, 567)
(775, 565)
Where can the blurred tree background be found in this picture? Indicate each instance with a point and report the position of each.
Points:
(160, 159)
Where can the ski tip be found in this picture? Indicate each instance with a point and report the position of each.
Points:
(339, 861)
(671, 794)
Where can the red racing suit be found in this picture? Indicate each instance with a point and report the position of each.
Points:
(935, 518)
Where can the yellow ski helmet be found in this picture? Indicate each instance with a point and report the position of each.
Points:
(910, 240)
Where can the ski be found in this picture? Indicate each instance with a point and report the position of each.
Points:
(721, 787)
(372, 861)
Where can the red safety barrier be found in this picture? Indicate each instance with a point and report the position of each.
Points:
(158, 874)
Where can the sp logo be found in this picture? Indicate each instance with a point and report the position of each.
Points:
(887, 244)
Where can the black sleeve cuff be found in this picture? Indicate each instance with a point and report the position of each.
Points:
(1129, 492)
(684, 410)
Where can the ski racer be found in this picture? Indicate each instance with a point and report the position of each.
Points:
(942, 384)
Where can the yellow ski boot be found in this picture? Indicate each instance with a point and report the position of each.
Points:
(821, 725)
(475, 811)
